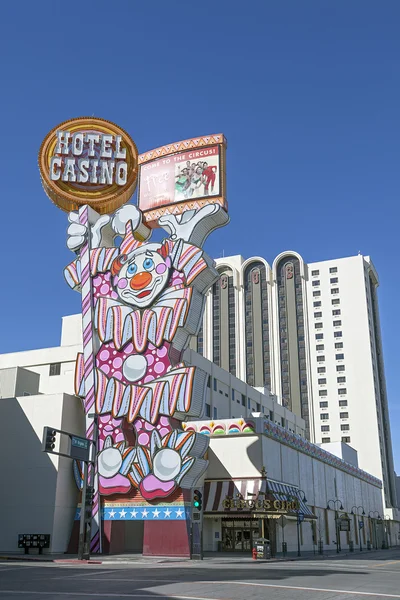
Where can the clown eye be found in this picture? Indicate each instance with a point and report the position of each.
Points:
(131, 270)
(148, 264)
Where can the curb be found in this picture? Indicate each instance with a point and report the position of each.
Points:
(52, 560)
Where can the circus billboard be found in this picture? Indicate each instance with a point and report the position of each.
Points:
(181, 176)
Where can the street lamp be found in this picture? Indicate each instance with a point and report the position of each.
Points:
(300, 519)
(359, 522)
(375, 515)
(335, 502)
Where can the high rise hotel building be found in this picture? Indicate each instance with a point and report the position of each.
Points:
(310, 333)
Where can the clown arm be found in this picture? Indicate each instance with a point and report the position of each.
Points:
(193, 226)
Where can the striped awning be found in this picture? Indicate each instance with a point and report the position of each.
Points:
(217, 491)
(284, 491)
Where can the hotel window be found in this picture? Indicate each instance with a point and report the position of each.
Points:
(318, 325)
(338, 345)
(248, 403)
(334, 290)
(323, 404)
(314, 273)
(55, 369)
(345, 427)
(326, 440)
(258, 407)
(337, 334)
(215, 385)
(215, 413)
(319, 336)
(321, 370)
(333, 270)
(336, 312)
(319, 347)
(208, 410)
(320, 358)
(316, 282)
(342, 391)
(209, 381)
(342, 402)
(339, 356)
(346, 439)
(316, 293)
(233, 395)
(334, 279)
(324, 416)
(340, 368)
(324, 427)
(243, 400)
(317, 303)
(344, 415)
(323, 392)
(322, 380)
(341, 379)
(337, 323)
(335, 301)
(317, 315)
(271, 415)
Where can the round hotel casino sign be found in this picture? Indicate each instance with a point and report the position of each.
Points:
(88, 161)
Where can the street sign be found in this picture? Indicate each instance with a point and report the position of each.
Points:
(360, 524)
(75, 447)
(80, 448)
(344, 524)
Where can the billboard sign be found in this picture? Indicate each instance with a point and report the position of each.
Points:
(88, 161)
(182, 176)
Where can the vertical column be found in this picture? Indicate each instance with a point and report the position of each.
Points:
(89, 374)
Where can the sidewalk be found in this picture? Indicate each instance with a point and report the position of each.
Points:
(209, 557)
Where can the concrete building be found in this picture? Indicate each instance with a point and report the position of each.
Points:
(258, 448)
(310, 333)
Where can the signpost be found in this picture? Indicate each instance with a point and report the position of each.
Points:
(300, 519)
(82, 449)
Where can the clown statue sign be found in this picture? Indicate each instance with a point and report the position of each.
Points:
(148, 300)
(141, 302)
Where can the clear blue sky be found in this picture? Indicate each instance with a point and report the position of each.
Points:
(307, 93)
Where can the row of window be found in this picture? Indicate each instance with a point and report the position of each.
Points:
(346, 439)
(317, 303)
(335, 313)
(342, 415)
(340, 356)
(343, 426)
(341, 392)
(331, 270)
(322, 380)
(317, 282)
(319, 324)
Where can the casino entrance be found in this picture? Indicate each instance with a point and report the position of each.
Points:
(240, 535)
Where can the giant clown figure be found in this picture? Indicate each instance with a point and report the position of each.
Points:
(148, 299)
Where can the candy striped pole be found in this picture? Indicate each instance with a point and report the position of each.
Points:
(86, 217)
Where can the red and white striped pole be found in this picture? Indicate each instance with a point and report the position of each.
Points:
(87, 217)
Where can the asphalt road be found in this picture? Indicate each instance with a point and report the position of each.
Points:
(348, 578)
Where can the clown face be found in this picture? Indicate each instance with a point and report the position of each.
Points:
(141, 276)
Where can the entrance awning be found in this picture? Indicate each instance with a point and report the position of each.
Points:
(216, 493)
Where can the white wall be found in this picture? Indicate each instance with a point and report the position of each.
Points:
(32, 498)
(243, 456)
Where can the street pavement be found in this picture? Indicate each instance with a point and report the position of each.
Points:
(350, 577)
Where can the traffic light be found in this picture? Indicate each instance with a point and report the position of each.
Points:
(197, 500)
(89, 502)
(89, 495)
(49, 439)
